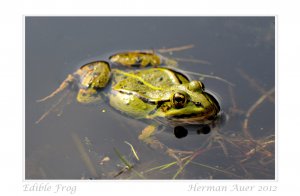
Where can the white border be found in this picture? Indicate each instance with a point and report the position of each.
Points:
(286, 91)
(155, 183)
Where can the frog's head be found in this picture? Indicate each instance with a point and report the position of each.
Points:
(189, 104)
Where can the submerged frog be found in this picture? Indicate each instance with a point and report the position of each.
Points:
(154, 92)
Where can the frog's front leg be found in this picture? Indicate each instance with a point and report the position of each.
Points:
(148, 136)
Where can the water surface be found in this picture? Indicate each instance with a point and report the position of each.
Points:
(238, 49)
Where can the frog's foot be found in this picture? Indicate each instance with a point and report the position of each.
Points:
(55, 106)
(148, 137)
(145, 58)
(66, 83)
(157, 145)
(173, 62)
(170, 62)
(175, 49)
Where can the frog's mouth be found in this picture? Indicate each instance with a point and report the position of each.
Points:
(205, 117)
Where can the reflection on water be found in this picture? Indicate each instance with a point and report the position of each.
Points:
(77, 141)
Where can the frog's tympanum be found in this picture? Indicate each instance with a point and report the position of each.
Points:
(144, 89)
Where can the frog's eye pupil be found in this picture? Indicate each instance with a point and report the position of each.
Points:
(179, 100)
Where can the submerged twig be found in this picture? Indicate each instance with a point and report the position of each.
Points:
(209, 76)
(252, 109)
(255, 85)
(84, 155)
(42, 172)
(165, 166)
(128, 165)
(192, 61)
(261, 148)
(216, 169)
(232, 97)
(197, 153)
(133, 150)
(122, 158)
(161, 167)
(234, 108)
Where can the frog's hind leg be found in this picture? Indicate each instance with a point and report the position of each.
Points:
(60, 108)
(67, 93)
(146, 58)
(66, 83)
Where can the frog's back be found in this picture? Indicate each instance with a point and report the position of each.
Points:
(137, 93)
(148, 82)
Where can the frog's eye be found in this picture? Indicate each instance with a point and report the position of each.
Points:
(179, 100)
(196, 86)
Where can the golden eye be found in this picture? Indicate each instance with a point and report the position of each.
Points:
(179, 100)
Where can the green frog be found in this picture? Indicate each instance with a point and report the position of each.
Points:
(143, 89)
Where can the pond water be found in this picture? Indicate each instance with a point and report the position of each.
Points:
(77, 141)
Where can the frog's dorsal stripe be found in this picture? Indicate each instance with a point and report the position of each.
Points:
(171, 75)
(174, 77)
(138, 78)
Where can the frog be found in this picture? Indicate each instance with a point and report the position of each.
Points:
(142, 85)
